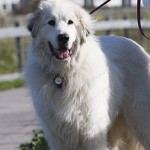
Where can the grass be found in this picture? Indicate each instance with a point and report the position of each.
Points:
(9, 55)
(17, 83)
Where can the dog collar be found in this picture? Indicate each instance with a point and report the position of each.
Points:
(58, 81)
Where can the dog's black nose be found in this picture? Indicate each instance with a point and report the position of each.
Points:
(63, 38)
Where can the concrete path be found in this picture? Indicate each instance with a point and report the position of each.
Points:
(17, 118)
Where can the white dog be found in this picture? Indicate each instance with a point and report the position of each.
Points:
(89, 95)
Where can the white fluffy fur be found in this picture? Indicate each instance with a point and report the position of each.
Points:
(104, 102)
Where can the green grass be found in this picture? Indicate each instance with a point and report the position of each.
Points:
(6, 85)
(38, 142)
(9, 55)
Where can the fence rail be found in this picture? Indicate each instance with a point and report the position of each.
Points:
(121, 24)
(13, 32)
(21, 31)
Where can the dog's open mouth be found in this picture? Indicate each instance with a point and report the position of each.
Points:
(62, 53)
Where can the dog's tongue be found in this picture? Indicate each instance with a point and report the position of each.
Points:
(63, 54)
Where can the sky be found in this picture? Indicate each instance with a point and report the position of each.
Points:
(97, 2)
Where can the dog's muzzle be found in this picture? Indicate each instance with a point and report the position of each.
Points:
(61, 53)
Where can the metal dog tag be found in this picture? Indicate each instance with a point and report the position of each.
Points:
(58, 81)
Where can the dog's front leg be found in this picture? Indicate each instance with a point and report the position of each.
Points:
(96, 144)
(94, 135)
(99, 142)
(61, 136)
(94, 128)
(53, 143)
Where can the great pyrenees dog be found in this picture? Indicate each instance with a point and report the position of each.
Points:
(89, 93)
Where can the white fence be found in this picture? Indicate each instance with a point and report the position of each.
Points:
(21, 31)
(13, 32)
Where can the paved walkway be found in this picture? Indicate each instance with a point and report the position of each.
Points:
(17, 118)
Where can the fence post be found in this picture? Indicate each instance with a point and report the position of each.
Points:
(108, 32)
(19, 49)
(126, 31)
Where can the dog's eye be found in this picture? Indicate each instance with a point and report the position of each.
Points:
(70, 22)
(51, 22)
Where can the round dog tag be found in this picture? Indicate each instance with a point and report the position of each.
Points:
(58, 82)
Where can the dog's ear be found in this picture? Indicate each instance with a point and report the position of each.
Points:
(85, 26)
(34, 23)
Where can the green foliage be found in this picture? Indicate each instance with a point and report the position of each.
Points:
(5, 85)
(8, 56)
(37, 143)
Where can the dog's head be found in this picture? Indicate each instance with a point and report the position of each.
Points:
(62, 26)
